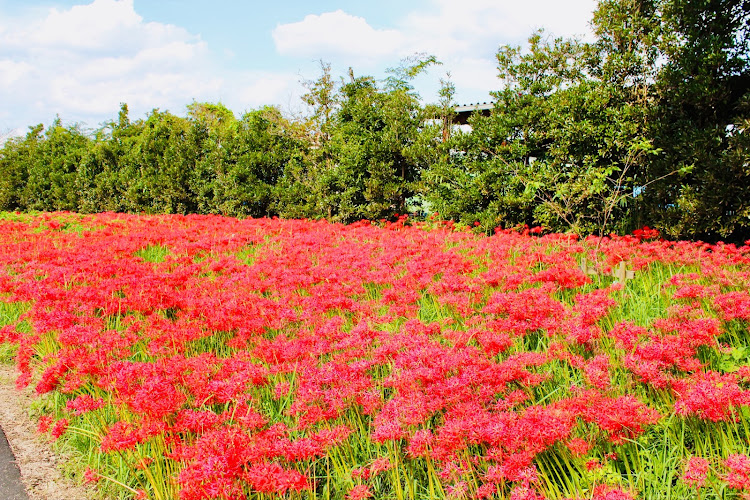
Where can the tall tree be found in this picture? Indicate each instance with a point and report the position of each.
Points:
(644, 125)
(557, 149)
(367, 147)
(257, 155)
(17, 159)
(55, 157)
(156, 169)
(100, 173)
(700, 96)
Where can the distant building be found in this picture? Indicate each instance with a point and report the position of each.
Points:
(464, 111)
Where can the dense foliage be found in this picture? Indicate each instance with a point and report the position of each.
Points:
(645, 125)
(205, 357)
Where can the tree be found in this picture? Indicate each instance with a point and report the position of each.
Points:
(367, 147)
(700, 106)
(256, 158)
(156, 169)
(645, 125)
(555, 150)
(16, 159)
(212, 129)
(100, 176)
(51, 167)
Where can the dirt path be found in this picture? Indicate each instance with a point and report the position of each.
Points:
(40, 467)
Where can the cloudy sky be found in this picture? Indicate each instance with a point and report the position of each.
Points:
(81, 59)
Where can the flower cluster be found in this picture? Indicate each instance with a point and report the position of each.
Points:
(226, 358)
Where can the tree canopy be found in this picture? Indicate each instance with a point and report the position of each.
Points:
(646, 124)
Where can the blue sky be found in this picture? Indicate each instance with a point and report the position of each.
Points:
(81, 59)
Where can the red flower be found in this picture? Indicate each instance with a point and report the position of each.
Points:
(695, 472)
(120, 436)
(84, 403)
(711, 395)
(579, 447)
(91, 476)
(738, 473)
(59, 428)
(45, 421)
(359, 492)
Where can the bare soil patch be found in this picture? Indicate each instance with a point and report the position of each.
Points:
(40, 466)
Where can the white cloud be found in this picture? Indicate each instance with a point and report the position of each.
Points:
(264, 88)
(81, 63)
(476, 74)
(464, 35)
(481, 25)
(334, 34)
(96, 26)
(11, 71)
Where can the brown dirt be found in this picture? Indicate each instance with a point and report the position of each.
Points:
(40, 466)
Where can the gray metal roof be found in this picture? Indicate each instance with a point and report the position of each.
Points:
(480, 106)
(464, 111)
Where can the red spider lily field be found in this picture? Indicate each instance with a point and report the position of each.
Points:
(193, 357)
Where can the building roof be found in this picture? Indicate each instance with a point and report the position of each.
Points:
(464, 111)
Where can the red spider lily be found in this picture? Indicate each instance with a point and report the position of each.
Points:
(605, 492)
(120, 436)
(733, 305)
(273, 478)
(90, 476)
(710, 395)
(738, 471)
(597, 372)
(59, 428)
(45, 421)
(622, 417)
(524, 492)
(252, 349)
(359, 492)
(646, 233)
(579, 447)
(84, 403)
(696, 472)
